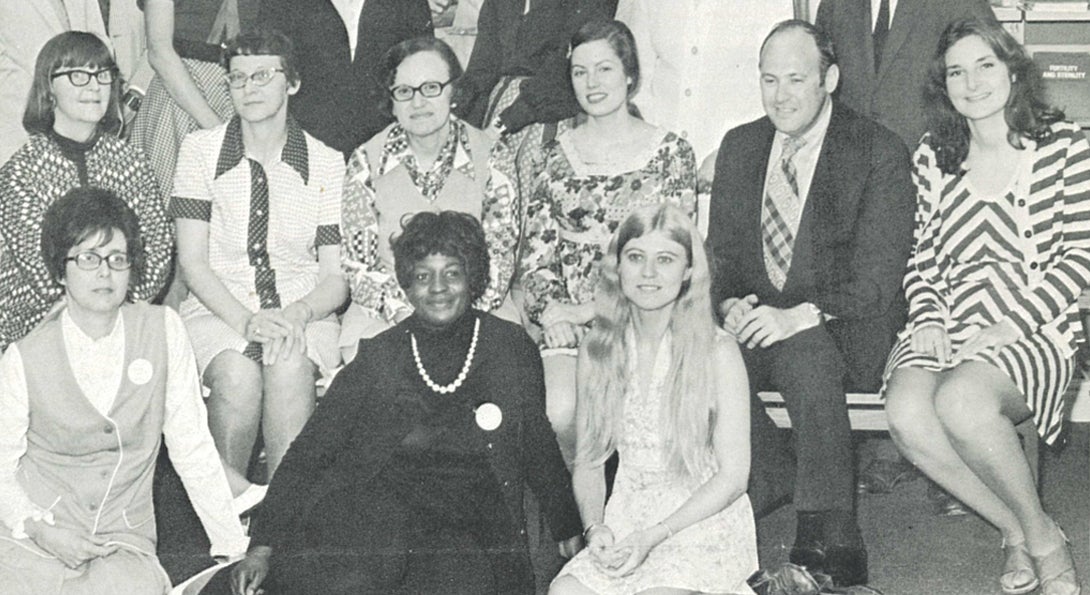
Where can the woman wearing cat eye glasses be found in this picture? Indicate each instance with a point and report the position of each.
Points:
(73, 118)
(427, 160)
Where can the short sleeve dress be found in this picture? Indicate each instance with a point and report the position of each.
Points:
(1021, 254)
(571, 214)
(265, 225)
(715, 555)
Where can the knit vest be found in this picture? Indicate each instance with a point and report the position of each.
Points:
(95, 473)
(396, 196)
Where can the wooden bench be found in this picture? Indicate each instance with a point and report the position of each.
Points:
(867, 412)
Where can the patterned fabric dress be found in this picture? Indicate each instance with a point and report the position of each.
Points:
(265, 227)
(571, 214)
(716, 555)
(1022, 255)
(42, 171)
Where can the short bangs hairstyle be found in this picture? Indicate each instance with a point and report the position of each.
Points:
(1027, 113)
(397, 54)
(620, 40)
(826, 51)
(71, 49)
(450, 233)
(83, 213)
(264, 41)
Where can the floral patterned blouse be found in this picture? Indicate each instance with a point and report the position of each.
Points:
(571, 215)
(369, 216)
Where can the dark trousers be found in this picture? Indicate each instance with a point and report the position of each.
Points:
(812, 370)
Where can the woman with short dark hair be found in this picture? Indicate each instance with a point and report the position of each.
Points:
(427, 160)
(412, 472)
(85, 400)
(73, 117)
(1002, 254)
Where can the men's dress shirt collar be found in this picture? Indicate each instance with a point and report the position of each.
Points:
(294, 152)
(874, 13)
(806, 158)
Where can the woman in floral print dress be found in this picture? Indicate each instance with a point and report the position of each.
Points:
(597, 171)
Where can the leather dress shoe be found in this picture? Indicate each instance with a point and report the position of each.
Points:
(846, 564)
(809, 548)
(809, 555)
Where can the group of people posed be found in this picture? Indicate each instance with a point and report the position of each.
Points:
(525, 302)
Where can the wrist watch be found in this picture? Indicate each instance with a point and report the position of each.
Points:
(132, 99)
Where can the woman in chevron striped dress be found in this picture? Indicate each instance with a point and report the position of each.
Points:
(1002, 253)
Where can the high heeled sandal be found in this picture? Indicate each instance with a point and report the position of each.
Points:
(1019, 575)
(1056, 570)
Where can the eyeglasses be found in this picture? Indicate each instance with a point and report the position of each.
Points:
(80, 78)
(237, 79)
(428, 89)
(90, 261)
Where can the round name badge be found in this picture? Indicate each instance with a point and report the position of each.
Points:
(489, 416)
(140, 371)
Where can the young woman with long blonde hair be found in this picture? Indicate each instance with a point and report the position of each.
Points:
(658, 384)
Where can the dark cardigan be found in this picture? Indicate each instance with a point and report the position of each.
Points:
(371, 407)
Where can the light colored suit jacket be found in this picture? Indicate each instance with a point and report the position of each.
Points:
(25, 27)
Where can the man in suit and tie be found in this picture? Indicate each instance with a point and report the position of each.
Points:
(883, 50)
(811, 227)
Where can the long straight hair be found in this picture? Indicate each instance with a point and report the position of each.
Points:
(688, 411)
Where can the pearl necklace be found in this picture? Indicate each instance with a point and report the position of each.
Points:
(453, 386)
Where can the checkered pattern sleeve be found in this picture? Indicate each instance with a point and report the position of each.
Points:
(373, 287)
(924, 285)
(155, 228)
(330, 192)
(192, 183)
(21, 212)
(501, 230)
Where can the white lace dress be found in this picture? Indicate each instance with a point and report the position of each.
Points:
(716, 555)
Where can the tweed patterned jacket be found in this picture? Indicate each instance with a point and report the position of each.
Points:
(36, 176)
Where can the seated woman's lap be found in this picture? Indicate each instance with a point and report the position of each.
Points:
(969, 391)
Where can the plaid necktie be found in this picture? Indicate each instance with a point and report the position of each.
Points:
(780, 215)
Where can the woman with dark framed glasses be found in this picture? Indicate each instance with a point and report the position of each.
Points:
(427, 160)
(85, 401)
(73, 117)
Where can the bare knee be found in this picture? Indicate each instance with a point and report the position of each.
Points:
(961, 405)
(909, 404)
(234, 381)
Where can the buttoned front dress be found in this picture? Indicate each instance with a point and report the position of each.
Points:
(1021, 255)
(265, 227)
